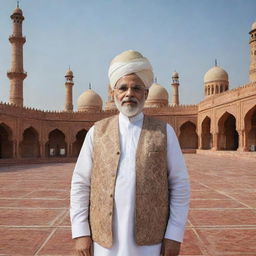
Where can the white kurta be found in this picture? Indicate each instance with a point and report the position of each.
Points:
(123, 216)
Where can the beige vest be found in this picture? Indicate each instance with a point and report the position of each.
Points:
(151, 203)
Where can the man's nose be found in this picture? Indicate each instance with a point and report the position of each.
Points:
(130, 91)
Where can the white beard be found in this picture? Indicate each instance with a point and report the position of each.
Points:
(129, 110)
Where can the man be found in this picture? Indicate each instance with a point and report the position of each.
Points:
(130, 189)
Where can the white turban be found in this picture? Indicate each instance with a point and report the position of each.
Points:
(130, 62)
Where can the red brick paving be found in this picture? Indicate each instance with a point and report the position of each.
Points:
(34, 215)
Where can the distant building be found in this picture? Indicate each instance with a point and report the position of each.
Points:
(224, 120)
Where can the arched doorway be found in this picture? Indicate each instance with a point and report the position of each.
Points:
(29, 147)
(56, 145)
(206, 135)
(250, 129)
(228, 136)
(6, 145)
(188, 138)
(77, 145)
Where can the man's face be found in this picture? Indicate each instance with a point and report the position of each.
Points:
(130, 95)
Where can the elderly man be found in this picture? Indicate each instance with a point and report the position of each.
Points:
(130, 189)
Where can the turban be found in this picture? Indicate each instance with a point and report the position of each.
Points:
(130, 62)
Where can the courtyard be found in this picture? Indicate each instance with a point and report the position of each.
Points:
(34, 202)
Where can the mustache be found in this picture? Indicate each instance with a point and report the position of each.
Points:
(131, 99)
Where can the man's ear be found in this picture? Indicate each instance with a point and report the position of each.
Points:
(112, 93)
(146, 94)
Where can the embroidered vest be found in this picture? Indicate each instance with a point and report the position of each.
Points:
(151, 200)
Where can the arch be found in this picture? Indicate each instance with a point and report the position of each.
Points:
(212, 89)
(206, 135)
(6, 144)
(227, 134)
(77, 145)
(250, 129)
(221, 88)
(188, 138)
(29, 146)
(56, 145)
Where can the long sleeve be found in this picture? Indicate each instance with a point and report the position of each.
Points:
(80, 189)
(179, 188)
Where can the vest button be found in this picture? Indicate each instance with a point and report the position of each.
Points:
(118, 153)
(110, 213)
(111, 195)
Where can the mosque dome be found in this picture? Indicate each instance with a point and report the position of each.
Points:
(175, 75)
(89, 101)
(69, 73)
(215, 74)
(17, 11)
(254, 25)
(157, 96)
(157, 92)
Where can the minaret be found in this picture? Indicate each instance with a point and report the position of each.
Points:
(252, 42)
(175, 89)
(69, 95)
(16, 74)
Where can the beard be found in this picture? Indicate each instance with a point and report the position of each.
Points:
(129, 110)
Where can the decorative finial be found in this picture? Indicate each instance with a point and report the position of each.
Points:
(90, 86)
(216, 63)
(18, 4)
(155, 80)
(68, 67)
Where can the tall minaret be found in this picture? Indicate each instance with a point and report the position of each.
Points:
(175, 89)
(252, 72)
(16, 74)
(69, 95)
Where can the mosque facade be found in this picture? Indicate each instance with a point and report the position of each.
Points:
(225, 120)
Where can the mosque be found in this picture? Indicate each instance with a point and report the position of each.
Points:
(224, 121)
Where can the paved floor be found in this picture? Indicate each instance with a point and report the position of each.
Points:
(34, 200)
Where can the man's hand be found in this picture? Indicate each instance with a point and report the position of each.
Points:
(83, 246)
(170, 248)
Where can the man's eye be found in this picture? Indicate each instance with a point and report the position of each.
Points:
(123, 89)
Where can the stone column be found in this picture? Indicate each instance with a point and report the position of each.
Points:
(241, 142)
(200, 141)
(215, 141)
(13, 149)
(69, 149)
(18, 155)
(42, 150)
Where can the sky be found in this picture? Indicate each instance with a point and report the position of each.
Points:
(175, 35)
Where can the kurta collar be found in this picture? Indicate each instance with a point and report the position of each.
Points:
(133, 119)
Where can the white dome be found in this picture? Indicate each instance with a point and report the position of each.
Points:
(157, 92)
(89, 100)
(69, 73)
(175, 75)
(254, 25)
(215, 74)
(17, 11)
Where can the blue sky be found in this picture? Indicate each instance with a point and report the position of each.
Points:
(175, 35)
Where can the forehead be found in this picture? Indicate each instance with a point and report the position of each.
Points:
(130, 79)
